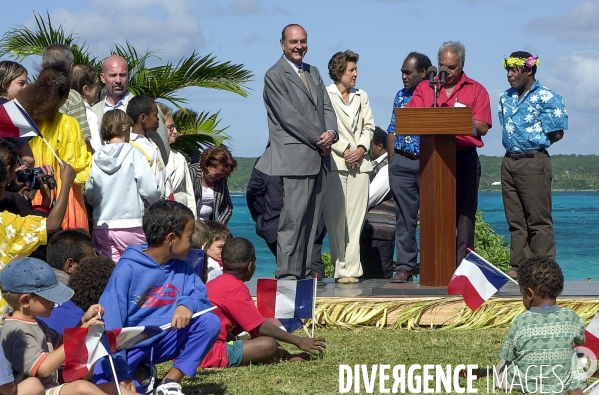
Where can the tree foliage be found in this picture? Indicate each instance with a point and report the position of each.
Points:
(160, 82)
(570, 172)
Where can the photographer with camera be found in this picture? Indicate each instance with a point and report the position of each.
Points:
(20, 235)
(23, 183)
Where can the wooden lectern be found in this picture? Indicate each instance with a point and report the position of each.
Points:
(437, 128)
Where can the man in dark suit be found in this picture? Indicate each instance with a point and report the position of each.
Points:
(264, 197)
(302, 126)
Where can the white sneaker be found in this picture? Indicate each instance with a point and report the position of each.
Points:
(169, 389)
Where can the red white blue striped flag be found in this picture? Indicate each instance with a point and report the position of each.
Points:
(15, 122)
(476, 280)
(285, 298)
(84, 346)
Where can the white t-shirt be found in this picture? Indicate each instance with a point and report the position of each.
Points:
(206, 205)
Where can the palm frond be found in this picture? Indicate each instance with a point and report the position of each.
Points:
(21, 42)
(206, 72)
(198, 132)
(135, 61)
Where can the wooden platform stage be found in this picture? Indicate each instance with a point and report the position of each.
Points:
(381, 303)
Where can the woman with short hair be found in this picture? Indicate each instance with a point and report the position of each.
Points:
(209, 178)
(346, 203)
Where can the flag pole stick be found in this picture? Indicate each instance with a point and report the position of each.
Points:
(496, 268)
(199, 313)
(305, 330)
(590, 387)
(35, 128)
(51, 150)
(116, 379)
(314, 304)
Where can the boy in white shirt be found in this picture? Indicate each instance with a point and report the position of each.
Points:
(144, 112)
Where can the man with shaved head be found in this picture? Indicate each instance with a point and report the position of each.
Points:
(115, 76)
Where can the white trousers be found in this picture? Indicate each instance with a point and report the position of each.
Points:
(344, 209)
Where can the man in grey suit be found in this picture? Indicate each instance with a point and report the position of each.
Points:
(115, 76)
(302, 126)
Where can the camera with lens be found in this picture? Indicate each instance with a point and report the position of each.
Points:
(31, 177)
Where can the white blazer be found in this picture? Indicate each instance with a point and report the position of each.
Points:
(355, 125)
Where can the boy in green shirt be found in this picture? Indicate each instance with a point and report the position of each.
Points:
(538, 353)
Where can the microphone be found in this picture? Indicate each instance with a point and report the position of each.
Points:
(443, 73)
(431, 72)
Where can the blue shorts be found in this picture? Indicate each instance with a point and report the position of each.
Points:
(234, 353)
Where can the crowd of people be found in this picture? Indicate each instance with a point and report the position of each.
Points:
(102, 179)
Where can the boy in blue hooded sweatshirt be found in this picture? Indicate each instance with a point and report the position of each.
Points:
(152, 285)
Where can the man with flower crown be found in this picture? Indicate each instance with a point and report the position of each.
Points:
(533, 117)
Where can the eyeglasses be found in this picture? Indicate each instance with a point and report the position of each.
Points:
(170, 127)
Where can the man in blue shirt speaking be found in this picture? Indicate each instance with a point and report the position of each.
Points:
(533, 117)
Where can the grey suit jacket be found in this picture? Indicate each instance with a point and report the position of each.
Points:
(159, 136)
(296, 120)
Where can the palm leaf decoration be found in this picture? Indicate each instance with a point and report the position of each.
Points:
(197, 132)
(21, 42)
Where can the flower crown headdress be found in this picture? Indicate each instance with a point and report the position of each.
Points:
(529, 62)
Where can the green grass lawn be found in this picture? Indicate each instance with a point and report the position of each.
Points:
(361, 346)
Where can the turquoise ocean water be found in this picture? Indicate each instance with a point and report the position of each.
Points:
(575, 215)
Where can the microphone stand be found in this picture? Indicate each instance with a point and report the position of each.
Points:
(436, 86)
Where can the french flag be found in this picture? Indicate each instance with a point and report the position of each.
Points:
(15, 122)
(286, 300)
(592, 336)
(84, 346)
(476, 280)
(125, 338)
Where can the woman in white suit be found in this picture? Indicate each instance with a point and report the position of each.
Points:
(346, 198)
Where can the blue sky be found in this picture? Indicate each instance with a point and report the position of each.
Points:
(564, 34)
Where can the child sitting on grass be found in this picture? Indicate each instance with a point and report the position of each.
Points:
(153, 285)
(237, 312)
(542, 336)
(218, 236)
(33, 349)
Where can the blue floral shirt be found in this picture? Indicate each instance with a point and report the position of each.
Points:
(410, 144)
(527, 121)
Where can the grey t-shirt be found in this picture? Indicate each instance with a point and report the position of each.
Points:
(26, 344)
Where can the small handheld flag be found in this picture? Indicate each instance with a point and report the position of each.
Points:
(286, 300)
(83, 346)
(592, 336)
(14, 123)
(476, 280)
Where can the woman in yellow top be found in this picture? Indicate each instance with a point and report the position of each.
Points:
(41, 100)
(346, 202)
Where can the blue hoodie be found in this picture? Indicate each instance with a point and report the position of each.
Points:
(142, 292)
